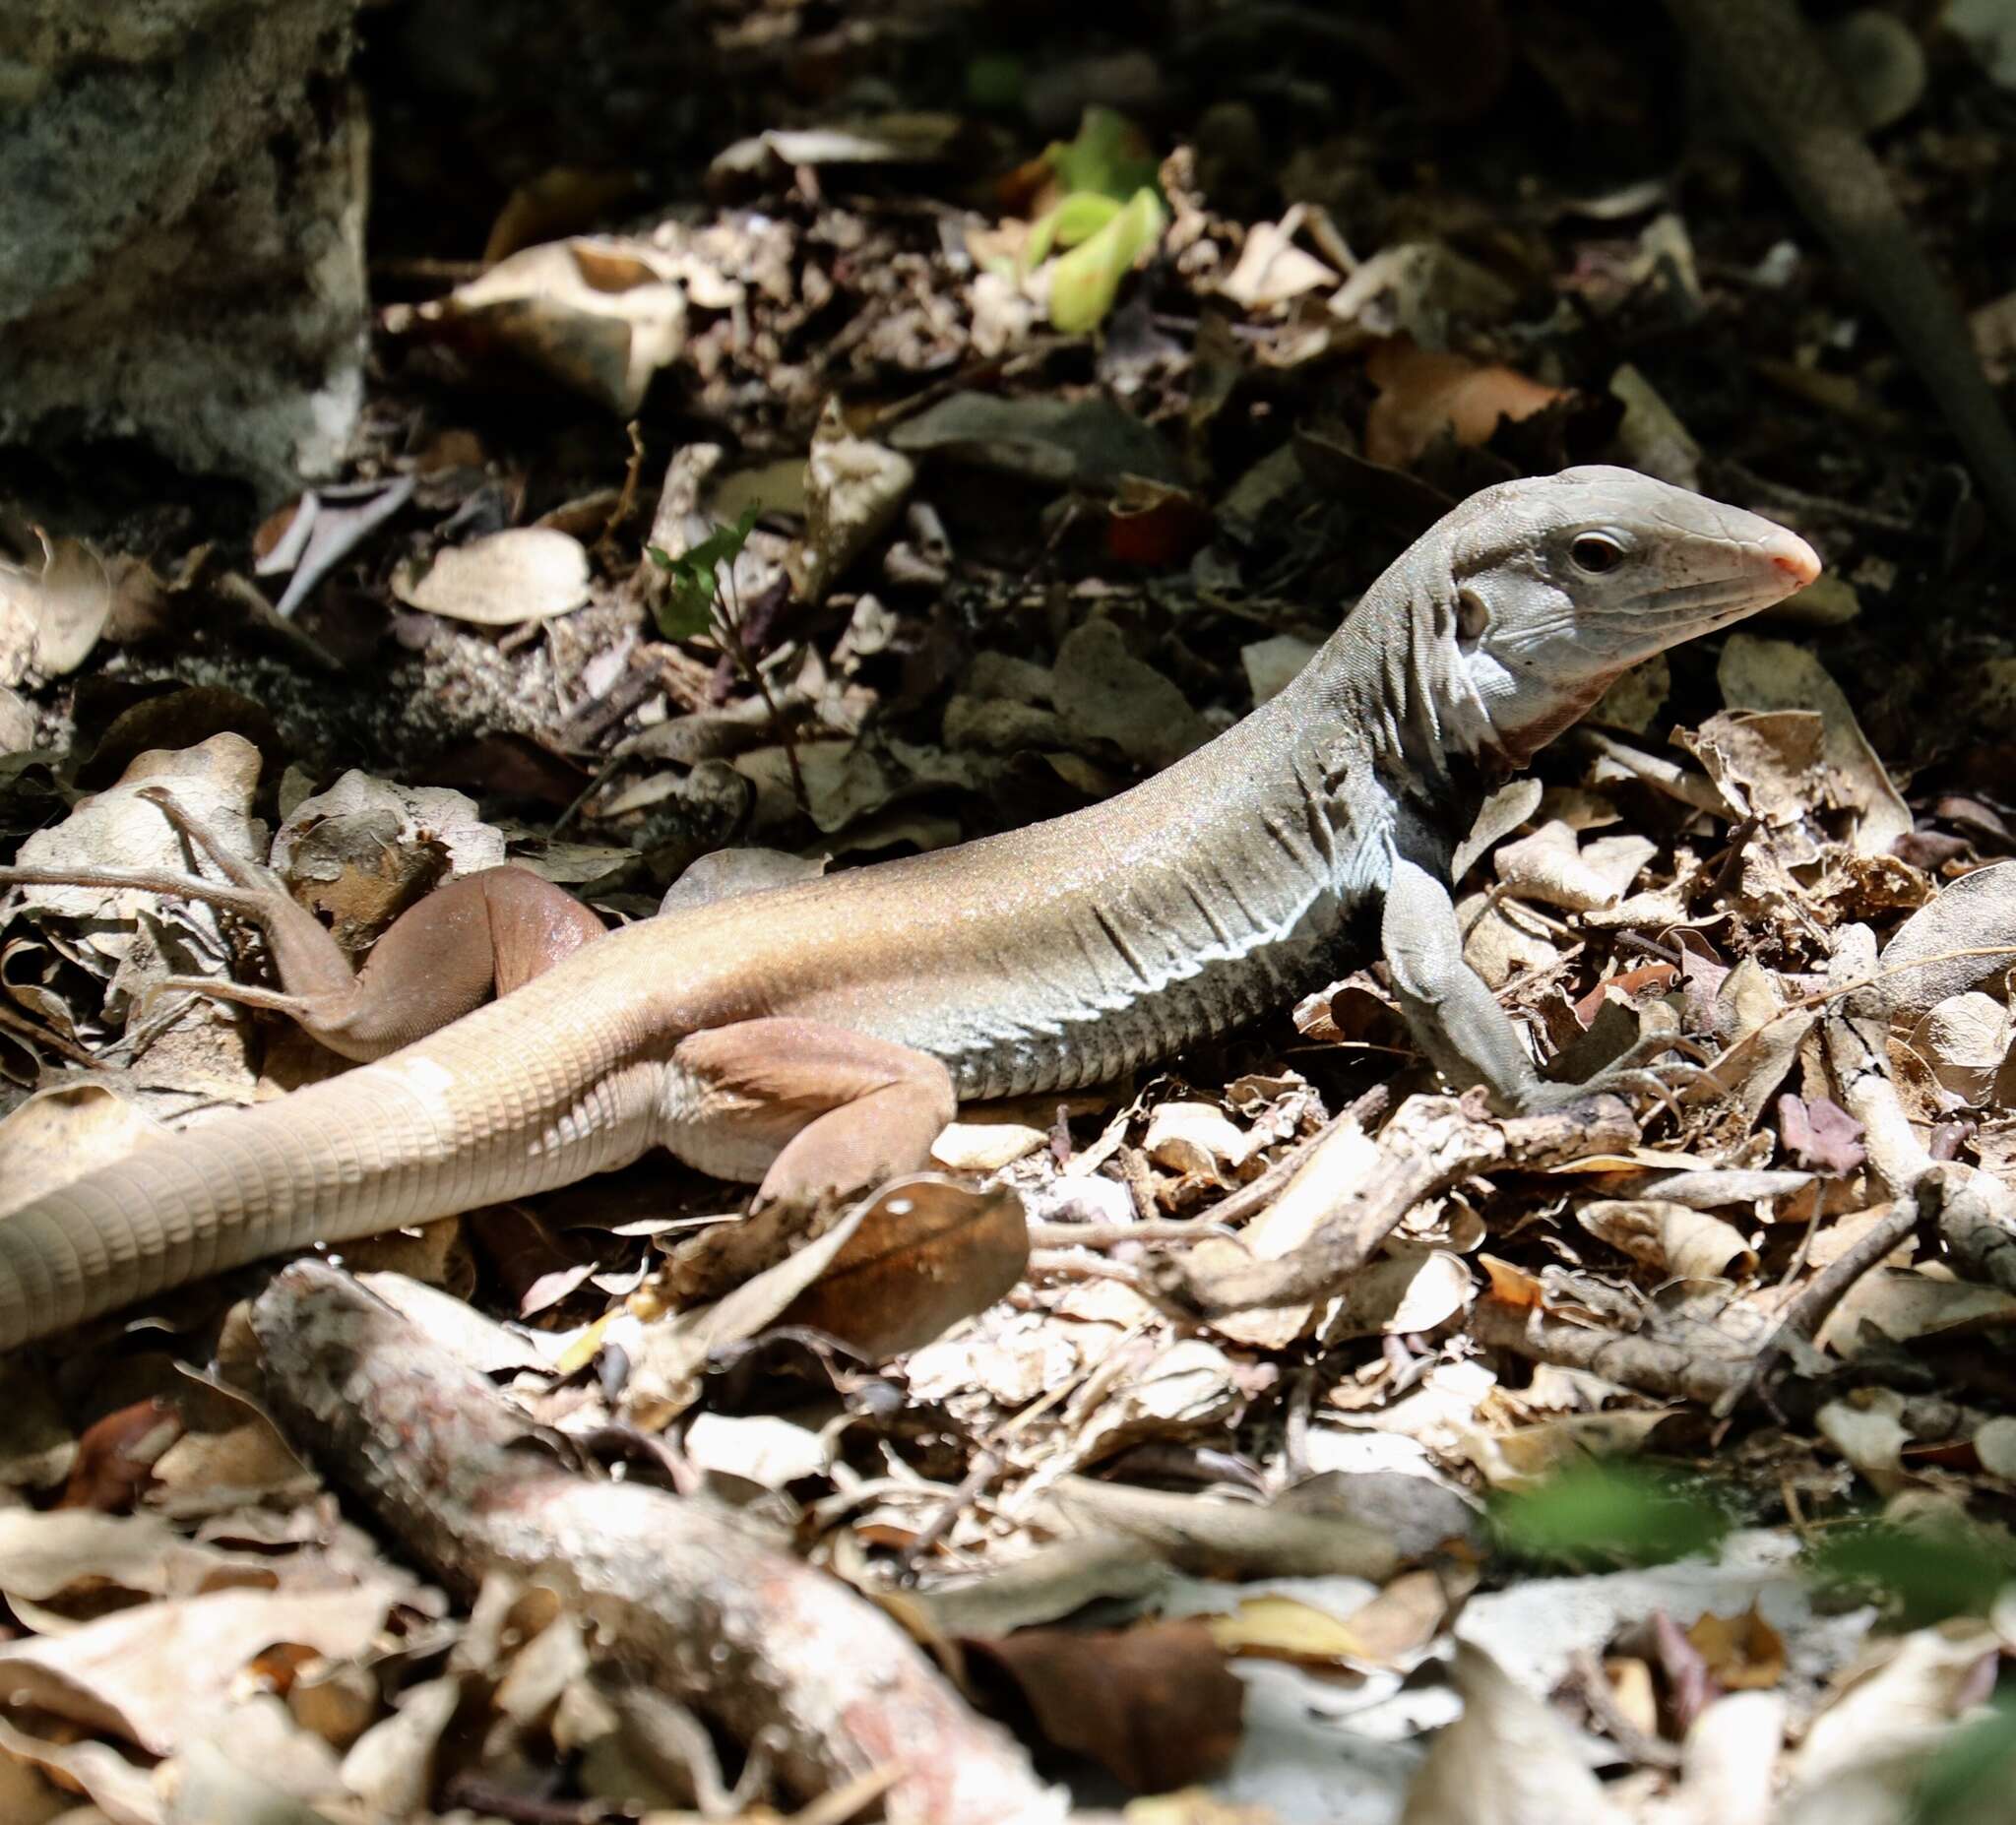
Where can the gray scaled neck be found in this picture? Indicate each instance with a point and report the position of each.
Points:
(1226, 885)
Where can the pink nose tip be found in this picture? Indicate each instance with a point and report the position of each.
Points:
(1797, 560)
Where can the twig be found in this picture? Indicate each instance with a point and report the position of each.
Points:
(1431, 1144)
(738, 651)
(1250, 1200)
(1815, 1302)
(987, 1467)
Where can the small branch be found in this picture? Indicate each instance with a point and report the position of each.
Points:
(1431, 1144)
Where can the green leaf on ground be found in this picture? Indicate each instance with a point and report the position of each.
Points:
(1608, 1510)
(688, 608)
(1084, 281)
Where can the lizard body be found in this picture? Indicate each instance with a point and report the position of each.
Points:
(817, 1035)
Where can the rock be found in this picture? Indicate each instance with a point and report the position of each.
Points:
(182, 188)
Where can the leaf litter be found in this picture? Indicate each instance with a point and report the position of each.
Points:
(1033, 464)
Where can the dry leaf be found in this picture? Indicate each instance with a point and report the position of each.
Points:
(1965, 1039)
(1214, 1538)
(1155, 1706)
(1552, 867)
(1196, 1137)
(1508, 1760)
(923, 1255)
(1415, 290)
(1903, 1304)
(1745, 1653)
(1670, 1238)
(526, 573)
(854, 489)
(1104, 693)
(51, 613)
(600, 315)
(61, 1133)
(1046, 1585)
(976, 1144)
(1775, 674)
(1424, 394)
(1962, 939)
(1272, 269)
(155, 1673)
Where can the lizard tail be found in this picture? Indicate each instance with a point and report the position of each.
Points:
(531, 1091)
(1793, 106)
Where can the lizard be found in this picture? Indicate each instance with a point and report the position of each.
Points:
(1787, 99)
(814, 1037)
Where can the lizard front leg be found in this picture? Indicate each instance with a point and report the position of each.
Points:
(1452, 1013)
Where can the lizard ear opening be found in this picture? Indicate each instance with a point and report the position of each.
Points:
(1473, 616)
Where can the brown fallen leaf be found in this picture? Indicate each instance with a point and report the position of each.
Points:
(1424, 394)
(115, 1457)
(1745, 1653)
(923, 1255)
(1155, 1706)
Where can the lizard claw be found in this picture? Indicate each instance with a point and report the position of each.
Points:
(1637, 1068)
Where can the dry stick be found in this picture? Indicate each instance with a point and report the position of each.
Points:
(738, 651)
(1815, 1304)
(1975, 1212)
(1431, 1144)
(752, 1636)
(1250, 1200)
(1642, 1363)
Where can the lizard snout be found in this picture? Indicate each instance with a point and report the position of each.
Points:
(1798, 560)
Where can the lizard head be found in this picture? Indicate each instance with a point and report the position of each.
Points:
(1557, 584)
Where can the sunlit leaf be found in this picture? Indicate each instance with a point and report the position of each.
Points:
(1077, 218)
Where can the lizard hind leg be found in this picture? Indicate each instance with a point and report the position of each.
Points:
(812, 1109)
(480, 935)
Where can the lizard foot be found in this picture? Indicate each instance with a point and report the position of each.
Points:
(1631, 1070)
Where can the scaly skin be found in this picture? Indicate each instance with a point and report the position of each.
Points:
(1043, 958)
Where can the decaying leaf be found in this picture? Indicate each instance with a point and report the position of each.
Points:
(1423, 395)
(1106, 694)
(1965, 937)
(1774, 675)
(1669, 1236)
(152, 1674)
(52, 612)
(854, 489)
(1154, 1705)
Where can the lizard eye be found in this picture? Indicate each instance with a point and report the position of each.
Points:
(1597, 553)
(1472, 617)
